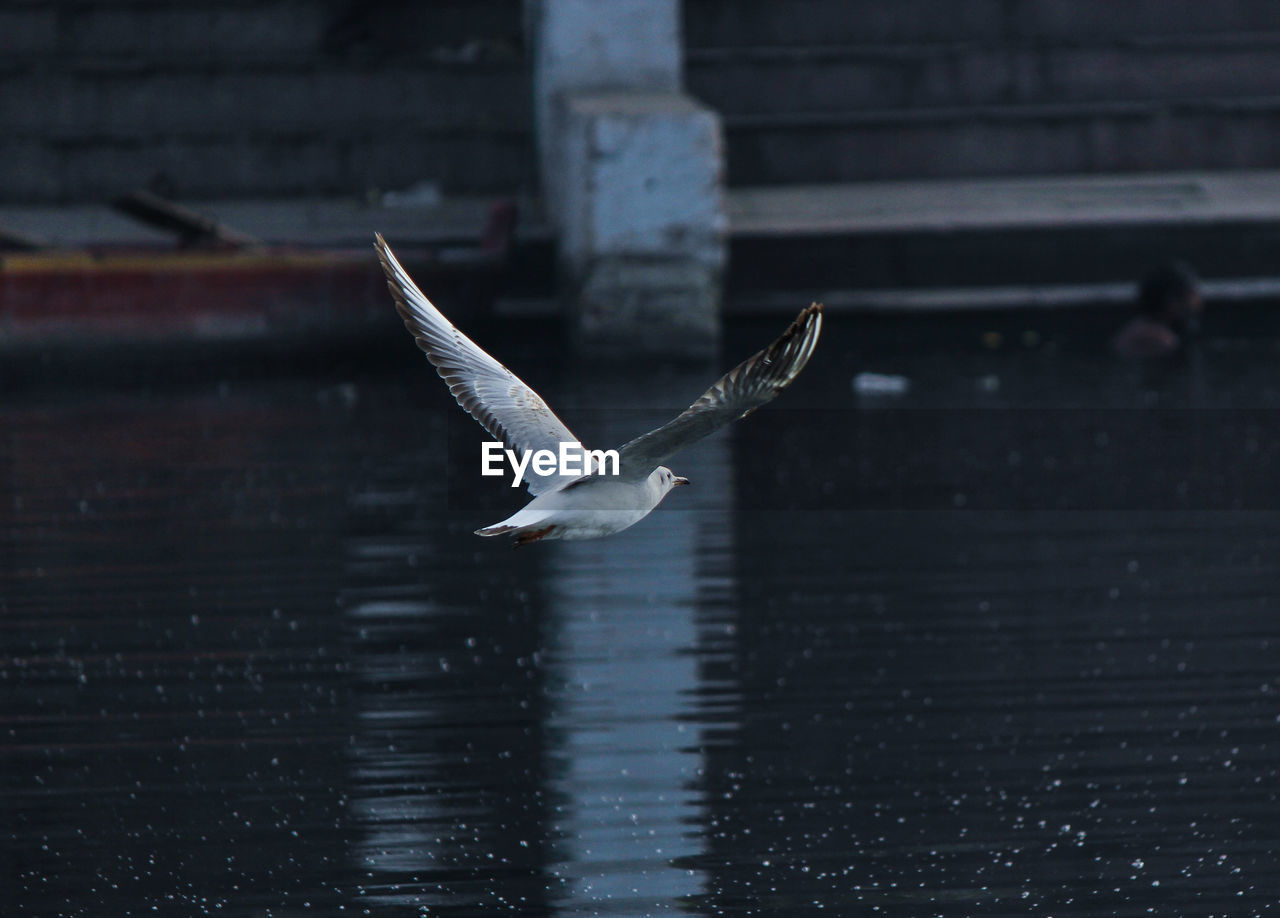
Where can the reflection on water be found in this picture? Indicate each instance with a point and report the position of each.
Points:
(622, 658)
(581, 716)
(253, 662)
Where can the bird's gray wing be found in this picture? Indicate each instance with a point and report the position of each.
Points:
(742, 390)
(507, 408)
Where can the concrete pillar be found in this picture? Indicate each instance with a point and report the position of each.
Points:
(632, 170)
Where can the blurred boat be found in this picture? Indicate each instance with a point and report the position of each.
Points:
(215, 282)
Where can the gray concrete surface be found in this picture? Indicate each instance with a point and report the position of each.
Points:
(642, 222)
(939, 244)
(232, 99)
(1010, 203)
(584, 46)
(877, 242)
(633, 176)
(785, 210)
(837, 91)
(317, 221)
(225, 98)
(833, 22)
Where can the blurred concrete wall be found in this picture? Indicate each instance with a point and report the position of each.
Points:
(215, 98)
(846, 90)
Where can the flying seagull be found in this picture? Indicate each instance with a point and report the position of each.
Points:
(587, 506)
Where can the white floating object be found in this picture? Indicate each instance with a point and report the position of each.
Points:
(880, 384)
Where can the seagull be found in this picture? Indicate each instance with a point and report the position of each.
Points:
(595, 504)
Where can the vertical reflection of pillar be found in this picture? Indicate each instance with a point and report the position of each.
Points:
(623, 683)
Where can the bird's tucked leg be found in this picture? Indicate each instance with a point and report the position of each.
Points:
(532, 535)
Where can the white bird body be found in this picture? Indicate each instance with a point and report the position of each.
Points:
(588, 508)
(598, 504)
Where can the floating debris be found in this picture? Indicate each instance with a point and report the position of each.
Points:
(880, 384)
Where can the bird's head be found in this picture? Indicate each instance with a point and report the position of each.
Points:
(668, 479)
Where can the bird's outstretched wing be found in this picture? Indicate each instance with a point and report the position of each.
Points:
(742, 390)
(486, 390)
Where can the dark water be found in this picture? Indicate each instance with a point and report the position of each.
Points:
(1004, 645)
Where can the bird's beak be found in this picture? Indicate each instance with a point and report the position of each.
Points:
(678, 481)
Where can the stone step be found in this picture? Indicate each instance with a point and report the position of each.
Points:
(1212, 133)
(261, 97)
(229, 30)
(278, 129)
(971, 243)
(974, 233)
(736, 23)
(835, 78)
(283, 165)
(118, 103)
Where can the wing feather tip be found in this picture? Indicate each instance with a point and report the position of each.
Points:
(797, 344)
